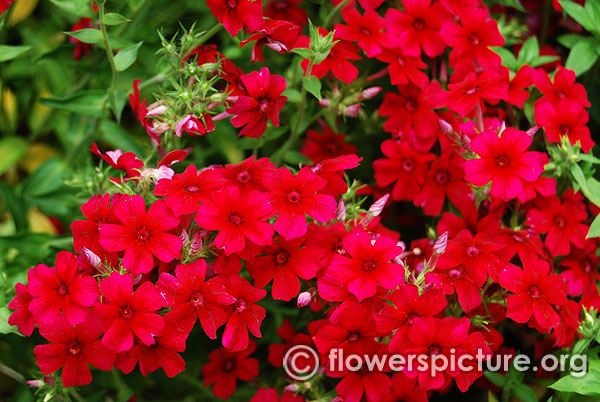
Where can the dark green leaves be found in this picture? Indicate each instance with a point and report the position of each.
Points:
(588, 384)
(114, 19)
(583, 55)
(312, 85)
(87, 35)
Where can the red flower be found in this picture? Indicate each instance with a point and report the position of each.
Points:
(246, 314)
(418, 27)
(270, 395)
(407, 304)
(535, 290)
(445, 177)
(86, 233)
(328, 144)
(563, 223)
(280, 36)
(449, 336)
(184, 191)
(406, 389)
(337, 61)
(365, 384)
(248, 174)
(353, 333)
(582, 268)
(283, 262)
(563, 87)
(72, 349)
(466, 95)
(237, 218)
(225, 367)
(567, 118)
(195, 126)
(465, 265)
(470, 42)
(403, 68)
(277, 351)
(234, 15)
(368, 264)
(60, 289)
(287, 10)
(163, 351)
(126, 312)
(504, 161)
(366, 29)
(192, 297)
(22, 317)
(264, 101)
(411, 116)
(142, 234)
(404, 166)
(294, 197)
(127, 162)
(517, 89)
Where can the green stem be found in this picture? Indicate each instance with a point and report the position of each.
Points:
(209, 34)
(334, 12)
(109, 51)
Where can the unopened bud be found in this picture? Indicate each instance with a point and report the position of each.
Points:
(378, 205)
(185, 238)
(158, 110)
(196, 244)
(91, 258)
(324, 102)
(369, 93)
(291, 388)
(305, 298)
(531, 132)
(35, 383)
(439, 247)
(445, 127)
(465, 142)
(352, 110)
(340, 213)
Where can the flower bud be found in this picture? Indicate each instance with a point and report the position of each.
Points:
(531, 132)
(352, 110)
(340, 213)
(445, 127)
(378, 205)
(305, 298)
(369, 93)
(439, 247)
(196, 244)
(291, 388)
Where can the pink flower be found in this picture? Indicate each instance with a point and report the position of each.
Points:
(142, 234)
(237, 217)
(60, 289)
(127, 312)
(293, 197)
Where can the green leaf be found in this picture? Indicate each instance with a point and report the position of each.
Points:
(583, 55)
(305, 53)
(47, 178)
(116, 100)
(588, 384)
(87, 35)
(578, 13)
(126, 57)
(114, 19)
(541, 60)
(90, 102)
(295, 158)
(118, 137)
(496, 378)
(516, 4)
(78, 8)
(508, 58)
(569, 40)
(12, 149)
(15, 206)
(593, 11)
(313, 85)
(12, 52)
(594, 228)
(524, 393)
(529, 51)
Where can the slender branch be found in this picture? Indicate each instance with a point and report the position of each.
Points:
(109, 51)
(334, 12)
